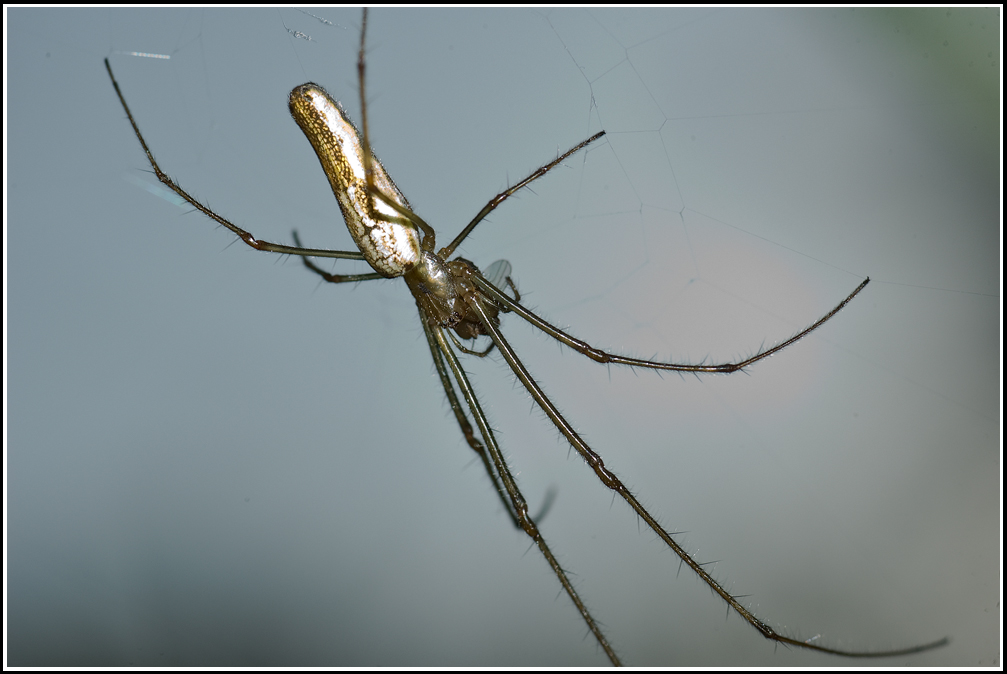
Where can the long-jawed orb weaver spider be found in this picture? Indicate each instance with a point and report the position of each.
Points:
(454, 298)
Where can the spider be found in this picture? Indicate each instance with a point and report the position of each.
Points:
(457, 302)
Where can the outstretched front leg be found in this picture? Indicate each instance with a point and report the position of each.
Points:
(243, 234)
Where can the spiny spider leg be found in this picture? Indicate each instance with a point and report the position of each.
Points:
(610, 480)
(517, 499)
(244, 235)
(603, 357)
(408, 217)
(463, 421)
(500, 198)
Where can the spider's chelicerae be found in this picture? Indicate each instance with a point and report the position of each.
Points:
(461, 309)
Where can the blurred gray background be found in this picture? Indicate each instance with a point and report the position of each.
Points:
(214, 460)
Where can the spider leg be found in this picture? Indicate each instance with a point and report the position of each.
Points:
(469, 434)
(472, 352)
(334, 278)
(520, 506)
(407, 217)
(446, 252)
(244, 235)
(610, 480)
(463, 420)
(494, 293)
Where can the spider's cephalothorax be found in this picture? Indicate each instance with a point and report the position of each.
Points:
(445, 295)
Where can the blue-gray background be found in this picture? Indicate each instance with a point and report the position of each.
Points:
(213, 460)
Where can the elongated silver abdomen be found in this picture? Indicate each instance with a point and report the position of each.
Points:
(390, 247)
